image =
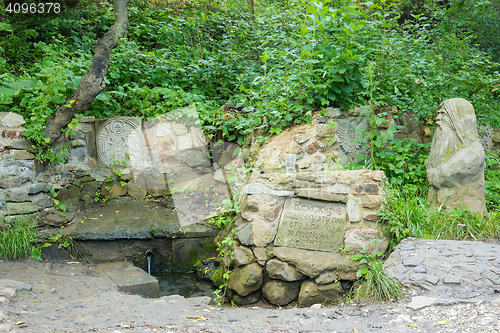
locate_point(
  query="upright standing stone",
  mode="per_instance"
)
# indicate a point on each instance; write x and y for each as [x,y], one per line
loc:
[455,167]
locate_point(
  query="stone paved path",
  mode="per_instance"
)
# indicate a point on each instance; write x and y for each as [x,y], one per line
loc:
[460,269]
[460,295]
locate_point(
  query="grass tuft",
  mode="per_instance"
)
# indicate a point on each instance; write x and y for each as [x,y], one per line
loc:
[377,285]
[18,238]
[411,216]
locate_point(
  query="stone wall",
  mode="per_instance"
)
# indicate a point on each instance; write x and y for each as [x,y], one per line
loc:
[297,232]
[110,158]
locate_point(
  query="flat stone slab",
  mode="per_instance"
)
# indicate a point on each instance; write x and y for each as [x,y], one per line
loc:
[132,219]
[131,279]
[455,268]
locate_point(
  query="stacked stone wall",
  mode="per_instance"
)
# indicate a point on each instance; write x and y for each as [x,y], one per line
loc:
[298,231]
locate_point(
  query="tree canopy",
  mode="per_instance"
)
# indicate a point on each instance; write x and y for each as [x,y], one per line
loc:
[275,60]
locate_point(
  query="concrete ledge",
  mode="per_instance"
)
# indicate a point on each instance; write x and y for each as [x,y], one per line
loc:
[131,279]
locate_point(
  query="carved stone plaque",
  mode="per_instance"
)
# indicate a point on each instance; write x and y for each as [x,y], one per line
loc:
[350,131]
[311,225]
[119,140]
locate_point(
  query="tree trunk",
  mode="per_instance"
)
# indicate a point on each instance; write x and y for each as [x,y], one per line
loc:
[92,83]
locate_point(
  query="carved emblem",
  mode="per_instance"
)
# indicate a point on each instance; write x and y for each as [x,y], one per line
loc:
[350,140]
[119,140]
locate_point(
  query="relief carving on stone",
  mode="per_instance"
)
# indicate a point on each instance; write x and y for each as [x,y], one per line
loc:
[119,140]
[351,138]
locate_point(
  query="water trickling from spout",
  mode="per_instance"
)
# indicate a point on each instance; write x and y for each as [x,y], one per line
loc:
[149,254]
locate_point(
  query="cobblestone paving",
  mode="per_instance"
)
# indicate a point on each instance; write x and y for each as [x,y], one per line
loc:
[459,268]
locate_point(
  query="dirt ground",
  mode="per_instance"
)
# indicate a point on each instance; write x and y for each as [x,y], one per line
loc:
[69,296]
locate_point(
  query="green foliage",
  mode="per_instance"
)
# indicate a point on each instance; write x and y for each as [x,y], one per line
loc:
[409,215]
[75,250]
[58,204]
[18,238]
[227,212]
[276,62]
[376,286]
[492,182]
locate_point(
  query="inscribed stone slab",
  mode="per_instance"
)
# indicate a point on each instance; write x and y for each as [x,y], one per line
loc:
[311,225]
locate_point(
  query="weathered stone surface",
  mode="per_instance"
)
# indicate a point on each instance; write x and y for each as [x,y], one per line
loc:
[244,234]
[247,279]
[197,158]
[314,263]
[44,200]
[263,229]
[13,181]
[11,208]
[455,167]
[198,138]
[370,216]
[55,219]
[320,194]
[368,239]
[277,269]
[185,142]
[16,195]
[261,254]
[154,182]
[131,279]
[372,205]
[12,120]
[353,211]
[376,175]
[21,144]
[43,187]
[13,133]
[113,189]
[280,292]
[135,191]
[78,143]
[70,193]
[451,279]
[366,189]
[164,129]
[312,293]
[246,300]
[326,278]
[179,129]
[256,188]
[241,256]
[310,224]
